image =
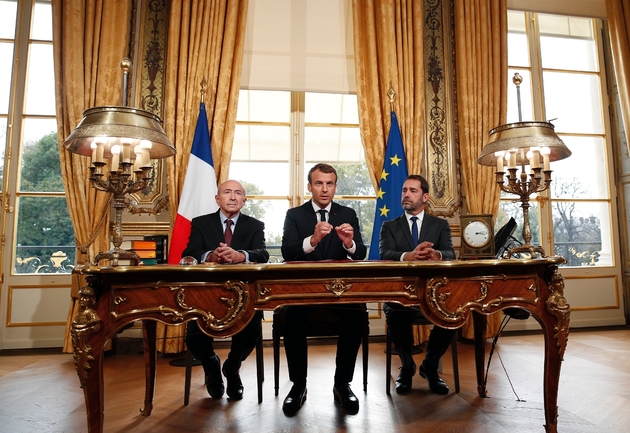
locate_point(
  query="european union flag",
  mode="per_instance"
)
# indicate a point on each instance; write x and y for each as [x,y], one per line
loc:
[389,192]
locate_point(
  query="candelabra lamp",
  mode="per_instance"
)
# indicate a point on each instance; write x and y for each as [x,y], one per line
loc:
[131,138]
[521,144]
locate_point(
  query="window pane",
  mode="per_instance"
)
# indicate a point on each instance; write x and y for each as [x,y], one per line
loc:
[261,143]
[526,97]
[8,13]
[331,108]
[513,209]
[582,233]
[41,28]
[565,26]
[333,144]
[271,178]
[264,106]
[40,86]
[574,100]
[6,63]
[589,154]
[572,54]
[272,213]
[43,229]
[41,169]
[518,47]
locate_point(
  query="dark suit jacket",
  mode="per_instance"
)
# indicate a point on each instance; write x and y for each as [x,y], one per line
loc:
[300,223]
[207,232]
[395,237]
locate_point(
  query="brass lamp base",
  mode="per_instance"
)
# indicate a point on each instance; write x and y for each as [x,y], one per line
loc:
[527,248]
[115,254]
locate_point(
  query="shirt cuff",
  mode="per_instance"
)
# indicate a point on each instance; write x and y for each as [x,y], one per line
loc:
[306,245]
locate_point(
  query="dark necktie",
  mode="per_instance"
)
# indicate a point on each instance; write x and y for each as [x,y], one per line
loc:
[414,230]
[322,214]
[228,232]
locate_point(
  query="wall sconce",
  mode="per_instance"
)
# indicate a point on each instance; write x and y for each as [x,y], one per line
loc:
[130,137]
[519,144]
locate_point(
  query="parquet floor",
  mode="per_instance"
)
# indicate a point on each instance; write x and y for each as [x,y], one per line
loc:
[39,392]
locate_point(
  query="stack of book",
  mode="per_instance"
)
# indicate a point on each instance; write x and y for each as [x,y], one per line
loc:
[146,250]
[160,246]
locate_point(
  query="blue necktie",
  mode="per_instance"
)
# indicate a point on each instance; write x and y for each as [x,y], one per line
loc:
[414,230]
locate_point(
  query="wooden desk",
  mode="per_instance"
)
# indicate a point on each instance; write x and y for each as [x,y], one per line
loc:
[224,298]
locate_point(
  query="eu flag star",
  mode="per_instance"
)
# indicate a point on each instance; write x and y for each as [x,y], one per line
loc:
[384,175]
[380,193]
[384,211]
[395,160]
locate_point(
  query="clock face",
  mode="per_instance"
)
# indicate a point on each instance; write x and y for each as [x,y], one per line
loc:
[477,234]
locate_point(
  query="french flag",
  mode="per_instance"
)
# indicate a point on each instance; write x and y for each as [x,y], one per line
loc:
[200,188]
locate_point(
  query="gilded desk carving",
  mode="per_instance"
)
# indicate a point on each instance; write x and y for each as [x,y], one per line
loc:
[559,307]
[472,294]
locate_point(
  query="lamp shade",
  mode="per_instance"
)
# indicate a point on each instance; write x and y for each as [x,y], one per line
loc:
[523,136]
[114,123]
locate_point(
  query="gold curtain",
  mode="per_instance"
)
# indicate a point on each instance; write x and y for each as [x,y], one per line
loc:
[89,42]
[205,41]
[388,47]
[481,58]
[618,13]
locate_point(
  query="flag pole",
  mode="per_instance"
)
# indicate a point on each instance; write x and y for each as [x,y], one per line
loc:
[204,87]
[391,95]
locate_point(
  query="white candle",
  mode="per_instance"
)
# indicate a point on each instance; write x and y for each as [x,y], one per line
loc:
[500,155]
[512,163]
[100,148]
[534,161]
[146,145]
[115,157]
[545,151]
[126,149]
[93,147]
[139,163]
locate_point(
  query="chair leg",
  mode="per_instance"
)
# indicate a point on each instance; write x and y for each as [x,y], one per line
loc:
[189,362]
[455,363]
[260,369]
[276,363]
[366,351]
[388,362]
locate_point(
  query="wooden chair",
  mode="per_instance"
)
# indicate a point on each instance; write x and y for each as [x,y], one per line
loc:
[322,323]
[260,370]
[419,319]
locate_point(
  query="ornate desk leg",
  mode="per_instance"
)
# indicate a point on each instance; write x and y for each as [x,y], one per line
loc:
[480,322]
[556,329]
[150,360]
[88,357]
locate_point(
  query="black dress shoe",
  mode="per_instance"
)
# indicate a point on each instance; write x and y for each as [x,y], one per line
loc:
[234,388]
[294,400]
[346,398]
[403,381]
[214,380]
[436,384]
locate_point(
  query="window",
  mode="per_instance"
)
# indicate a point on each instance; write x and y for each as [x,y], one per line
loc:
[279,136]
[560,60]
[40,231]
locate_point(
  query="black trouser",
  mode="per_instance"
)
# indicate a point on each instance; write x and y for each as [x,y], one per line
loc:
[243,343]
[399,327]
[352,317]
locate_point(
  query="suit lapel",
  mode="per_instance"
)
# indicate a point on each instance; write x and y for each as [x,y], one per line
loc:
[426,224]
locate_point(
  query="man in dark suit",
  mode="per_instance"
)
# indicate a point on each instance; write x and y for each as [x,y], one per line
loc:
[430,239]
[226,236]
[319,230]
